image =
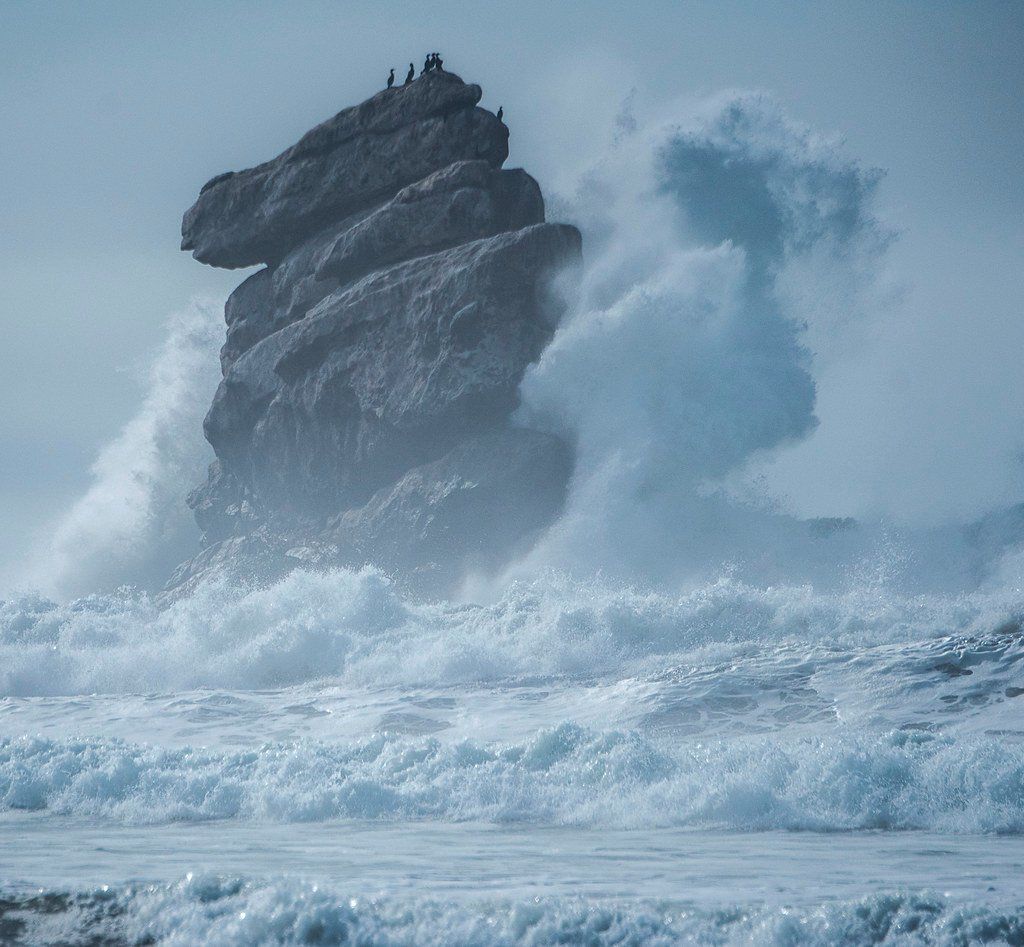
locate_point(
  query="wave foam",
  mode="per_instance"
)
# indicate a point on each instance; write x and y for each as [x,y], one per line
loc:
[355,628]
[202,909]
[565,775]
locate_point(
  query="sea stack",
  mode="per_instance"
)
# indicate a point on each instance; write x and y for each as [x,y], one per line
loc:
[372,365]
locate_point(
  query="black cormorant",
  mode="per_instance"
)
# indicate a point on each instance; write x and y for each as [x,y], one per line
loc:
[501,113]
[391,79]
[411,74]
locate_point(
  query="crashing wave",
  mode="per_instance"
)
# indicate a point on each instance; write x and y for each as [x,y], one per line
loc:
[201,909]
[565,775]
[356,628]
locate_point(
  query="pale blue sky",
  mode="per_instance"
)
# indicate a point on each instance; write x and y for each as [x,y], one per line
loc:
[115,113]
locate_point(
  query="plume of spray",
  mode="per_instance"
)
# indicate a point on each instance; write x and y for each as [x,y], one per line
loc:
[132,525]
[684,359]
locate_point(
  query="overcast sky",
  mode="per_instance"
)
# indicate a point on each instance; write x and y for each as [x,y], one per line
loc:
[115,113]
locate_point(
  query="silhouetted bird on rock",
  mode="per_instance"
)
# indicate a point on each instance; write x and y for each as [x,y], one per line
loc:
[391,79]
[501,113]
[428,64]
[438,62]
[411,74]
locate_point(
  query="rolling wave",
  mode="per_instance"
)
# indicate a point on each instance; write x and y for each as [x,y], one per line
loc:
[355,628]
[562,775]
[211,909]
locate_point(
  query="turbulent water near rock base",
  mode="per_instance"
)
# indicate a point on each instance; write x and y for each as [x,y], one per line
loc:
[685,715]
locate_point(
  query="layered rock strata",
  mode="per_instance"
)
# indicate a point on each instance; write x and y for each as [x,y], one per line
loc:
[372,366]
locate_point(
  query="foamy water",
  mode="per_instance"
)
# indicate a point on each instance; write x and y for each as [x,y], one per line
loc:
[233,911]
[325,759]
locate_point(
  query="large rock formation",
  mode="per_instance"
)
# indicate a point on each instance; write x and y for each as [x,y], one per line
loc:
[371,368]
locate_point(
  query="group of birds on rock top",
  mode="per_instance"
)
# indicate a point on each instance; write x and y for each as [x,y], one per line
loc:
[433,61]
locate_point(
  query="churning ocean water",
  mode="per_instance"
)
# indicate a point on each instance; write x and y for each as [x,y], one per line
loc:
[682,717]
[324,762]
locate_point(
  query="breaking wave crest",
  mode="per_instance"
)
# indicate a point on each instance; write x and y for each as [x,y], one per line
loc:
[565,775]
[223,910]
[686,355]
[132,525]
[357,629]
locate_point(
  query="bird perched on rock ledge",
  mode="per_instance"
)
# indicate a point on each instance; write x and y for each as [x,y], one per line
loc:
[433,61]
[391,78]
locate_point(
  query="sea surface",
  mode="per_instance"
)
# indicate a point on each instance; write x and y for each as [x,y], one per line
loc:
[324,761]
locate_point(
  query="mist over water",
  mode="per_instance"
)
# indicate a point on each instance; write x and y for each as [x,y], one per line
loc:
[680,651]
